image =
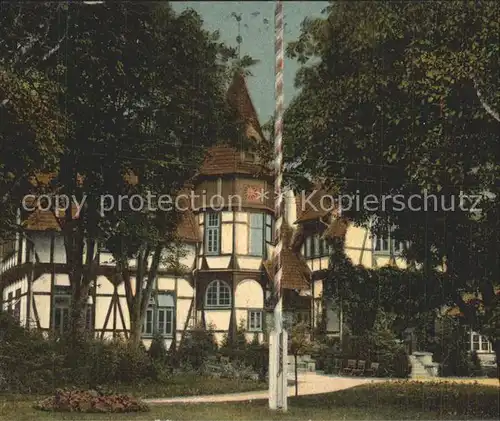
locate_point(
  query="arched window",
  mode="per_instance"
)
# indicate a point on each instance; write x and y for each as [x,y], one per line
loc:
[218,295]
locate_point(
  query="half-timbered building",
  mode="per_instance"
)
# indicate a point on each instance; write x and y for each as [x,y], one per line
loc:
[228,250]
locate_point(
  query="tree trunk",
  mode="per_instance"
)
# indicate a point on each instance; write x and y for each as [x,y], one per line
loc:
[135,330]
[138,303]
[296,376]
[77,318]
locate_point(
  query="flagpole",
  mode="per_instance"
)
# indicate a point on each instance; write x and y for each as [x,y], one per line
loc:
[278,339]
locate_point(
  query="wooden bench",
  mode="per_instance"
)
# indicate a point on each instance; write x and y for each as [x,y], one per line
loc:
[360,369]
[351,365]
[373,369]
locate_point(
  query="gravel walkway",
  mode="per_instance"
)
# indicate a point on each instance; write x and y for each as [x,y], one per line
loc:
[309,384]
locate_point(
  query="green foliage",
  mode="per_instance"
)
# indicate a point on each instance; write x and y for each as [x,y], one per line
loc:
[476,366]
[442,399]
[158,351]
[300,339]
[158,80]
[240,339]
[32,363]
[378,344]
[381,347]
[31,122]
[402,99]
[244,354]
[257,357]
[255,340]
[452,348]
[367,295]
[225,343]
[198,345]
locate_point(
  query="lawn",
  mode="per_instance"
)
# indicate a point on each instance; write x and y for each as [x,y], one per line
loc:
[381,401]
[190,385]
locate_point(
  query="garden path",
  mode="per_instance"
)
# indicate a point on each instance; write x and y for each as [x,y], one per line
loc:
[309,384]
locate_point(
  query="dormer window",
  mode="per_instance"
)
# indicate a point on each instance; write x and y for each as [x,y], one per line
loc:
[250,157]
[386,244]
[315,246]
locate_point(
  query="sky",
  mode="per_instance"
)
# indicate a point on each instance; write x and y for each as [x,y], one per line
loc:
[257,31]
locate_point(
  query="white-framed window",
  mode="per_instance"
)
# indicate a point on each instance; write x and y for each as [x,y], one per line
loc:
[218,295]
[308,247]
[387,245]
[315,246]
[61,312]
[255,320]
[269,229]
[256,234]
[60,321]
[479,343]
[147,325]
[159,318]
[260,233]
[165,321]
[212,233]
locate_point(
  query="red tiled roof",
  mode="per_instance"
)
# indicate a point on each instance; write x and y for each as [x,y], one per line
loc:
[41,221]
[223,159]
[44,220]
[295,272]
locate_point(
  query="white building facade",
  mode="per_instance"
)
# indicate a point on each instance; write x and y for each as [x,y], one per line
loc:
[228,253]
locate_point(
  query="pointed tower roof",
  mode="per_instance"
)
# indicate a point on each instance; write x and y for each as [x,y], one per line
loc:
[226,159]
[238,97]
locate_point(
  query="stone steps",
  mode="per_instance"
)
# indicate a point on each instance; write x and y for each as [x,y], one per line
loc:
[422,366]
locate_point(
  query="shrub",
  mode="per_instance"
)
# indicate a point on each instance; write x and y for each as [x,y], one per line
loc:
[399,366]
[32,363]
[240,340]
[91,402]
[115,361]
[442,400]
[27,359]
[451,349]
[325,351]
[197,346]
[476,368]
[379,346]
[257,357]
[158,350]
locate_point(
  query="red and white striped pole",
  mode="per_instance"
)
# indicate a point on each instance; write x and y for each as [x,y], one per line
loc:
[278,339]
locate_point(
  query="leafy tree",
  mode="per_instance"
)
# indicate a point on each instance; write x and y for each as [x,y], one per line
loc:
[300,343]
[30,132]
[451,351]
[143,99]
[402,99]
